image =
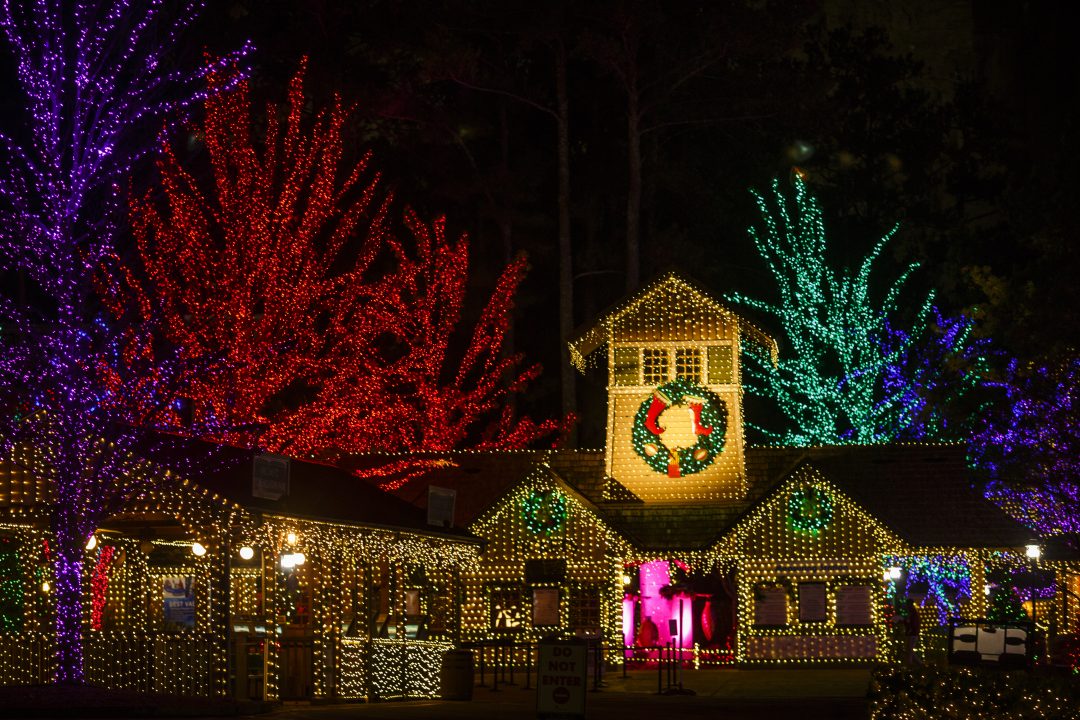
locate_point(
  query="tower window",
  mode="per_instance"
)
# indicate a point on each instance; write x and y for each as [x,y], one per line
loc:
[688,363]
[654,366]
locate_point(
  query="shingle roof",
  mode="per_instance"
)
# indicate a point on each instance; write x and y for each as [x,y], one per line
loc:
[479,478]
[588,338]
[923,493]
[318,492]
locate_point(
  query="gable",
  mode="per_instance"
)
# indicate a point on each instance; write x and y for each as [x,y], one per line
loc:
[669,309]
[805,515]
[542,516]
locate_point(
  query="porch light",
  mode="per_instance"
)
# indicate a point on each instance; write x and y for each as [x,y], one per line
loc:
[247,552]
[625,579]
[290,538]
[198,549]
[46,587]
[92,542]
[893,573]
[1033,551]
[291,560]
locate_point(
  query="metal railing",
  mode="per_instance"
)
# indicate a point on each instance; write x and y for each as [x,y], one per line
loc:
[506,662]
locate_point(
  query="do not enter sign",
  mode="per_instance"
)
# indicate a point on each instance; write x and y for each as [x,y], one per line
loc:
[561,680]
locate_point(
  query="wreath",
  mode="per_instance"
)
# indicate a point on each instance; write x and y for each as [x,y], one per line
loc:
[707,415]
[810,510]
[544,511]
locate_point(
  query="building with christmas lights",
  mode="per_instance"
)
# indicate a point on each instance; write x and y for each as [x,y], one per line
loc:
[271,578]
[678,534]
[267,578]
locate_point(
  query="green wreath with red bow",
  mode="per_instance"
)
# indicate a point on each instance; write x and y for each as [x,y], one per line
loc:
[709,422]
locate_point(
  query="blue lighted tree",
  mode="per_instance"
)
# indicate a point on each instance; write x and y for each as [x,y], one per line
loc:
[97,87]
[850,370]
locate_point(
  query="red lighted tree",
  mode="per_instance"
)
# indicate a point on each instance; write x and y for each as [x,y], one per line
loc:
[336,335]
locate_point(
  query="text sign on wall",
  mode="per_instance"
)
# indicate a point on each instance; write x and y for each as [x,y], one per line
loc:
[561,680]
[269,476]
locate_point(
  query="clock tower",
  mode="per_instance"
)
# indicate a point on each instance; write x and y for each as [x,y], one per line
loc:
[674,412]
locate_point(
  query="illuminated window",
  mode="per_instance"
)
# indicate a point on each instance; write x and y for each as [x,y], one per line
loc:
[654,366]
[506,610]
[688,363]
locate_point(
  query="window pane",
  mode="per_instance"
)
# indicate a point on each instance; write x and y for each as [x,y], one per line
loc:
[654,366]
[688,363]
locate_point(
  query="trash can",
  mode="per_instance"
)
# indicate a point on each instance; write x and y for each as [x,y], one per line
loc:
[456,675]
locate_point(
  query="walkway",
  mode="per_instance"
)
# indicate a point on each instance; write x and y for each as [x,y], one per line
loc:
[808,694]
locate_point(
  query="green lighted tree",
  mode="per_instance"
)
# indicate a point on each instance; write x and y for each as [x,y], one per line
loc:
[850,371]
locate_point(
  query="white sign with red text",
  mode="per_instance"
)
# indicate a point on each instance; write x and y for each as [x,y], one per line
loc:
[562,679]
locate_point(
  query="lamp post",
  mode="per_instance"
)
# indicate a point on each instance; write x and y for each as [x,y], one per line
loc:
[1033,552]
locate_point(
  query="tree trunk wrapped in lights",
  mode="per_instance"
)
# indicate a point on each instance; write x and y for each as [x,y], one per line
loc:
[96,82]
[336,335]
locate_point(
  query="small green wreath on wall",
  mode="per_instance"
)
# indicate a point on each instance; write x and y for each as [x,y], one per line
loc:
[810,510]
[544,511]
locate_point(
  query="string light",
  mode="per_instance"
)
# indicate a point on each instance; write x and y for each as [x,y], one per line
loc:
[850,372]
[1030,445]
[496,598]
[95,80]
[672,353]
[235,280]
[544,511]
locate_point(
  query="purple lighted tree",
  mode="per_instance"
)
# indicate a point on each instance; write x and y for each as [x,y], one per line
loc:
[97,89]
[925,384]
[1030,447]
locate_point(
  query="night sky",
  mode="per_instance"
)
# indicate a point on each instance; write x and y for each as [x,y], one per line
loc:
[955,119]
